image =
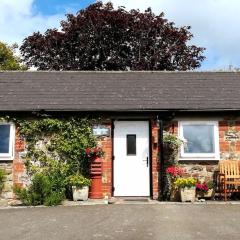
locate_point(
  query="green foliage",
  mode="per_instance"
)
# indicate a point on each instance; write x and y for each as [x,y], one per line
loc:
[78,181]
[171,144]
[2,178]
[210,184]
[41,191]
[58,144]
[23,194]
[53,199]
[172,140]
[7,59]
[56,149]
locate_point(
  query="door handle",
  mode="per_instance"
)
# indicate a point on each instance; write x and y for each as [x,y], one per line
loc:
[146,161]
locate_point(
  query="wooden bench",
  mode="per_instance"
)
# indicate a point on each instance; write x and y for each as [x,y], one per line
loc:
[229,177]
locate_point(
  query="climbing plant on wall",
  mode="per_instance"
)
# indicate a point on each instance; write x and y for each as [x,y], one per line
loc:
[56,148]
[54,142]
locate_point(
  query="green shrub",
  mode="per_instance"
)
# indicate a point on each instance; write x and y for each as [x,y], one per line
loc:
[41,191]
[23,195]
[2,178]
[53,199]
[78,180]
[57,148]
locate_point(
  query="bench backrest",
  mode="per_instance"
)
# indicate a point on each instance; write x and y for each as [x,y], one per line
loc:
[231,168]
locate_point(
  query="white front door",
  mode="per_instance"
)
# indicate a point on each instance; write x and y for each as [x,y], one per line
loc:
[131,162]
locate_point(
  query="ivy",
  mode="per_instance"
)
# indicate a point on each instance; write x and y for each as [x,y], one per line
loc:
[54,143]
[57,149]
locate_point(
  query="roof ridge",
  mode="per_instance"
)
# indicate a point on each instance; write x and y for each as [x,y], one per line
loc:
[117,72]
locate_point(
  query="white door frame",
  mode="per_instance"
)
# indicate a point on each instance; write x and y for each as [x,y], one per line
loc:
[150,152]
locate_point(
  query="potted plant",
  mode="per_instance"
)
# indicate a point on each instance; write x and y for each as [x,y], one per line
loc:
[80,187]
[173,172]
[187,188]
[205,190]
[171,144]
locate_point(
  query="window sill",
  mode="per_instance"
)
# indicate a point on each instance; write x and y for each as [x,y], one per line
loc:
[10,158]
[196,159]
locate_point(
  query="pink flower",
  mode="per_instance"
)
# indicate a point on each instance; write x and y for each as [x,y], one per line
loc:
[202,187]
[174,171]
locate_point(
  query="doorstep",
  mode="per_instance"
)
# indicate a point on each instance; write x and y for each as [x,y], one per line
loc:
[131,200]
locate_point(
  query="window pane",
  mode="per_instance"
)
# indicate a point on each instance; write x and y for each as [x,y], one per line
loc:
[131,144]
[200,138]
[4,138]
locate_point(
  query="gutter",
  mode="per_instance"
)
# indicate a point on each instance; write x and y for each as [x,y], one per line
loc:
[160,159]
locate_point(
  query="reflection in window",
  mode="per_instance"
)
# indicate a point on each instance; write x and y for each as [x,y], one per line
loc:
[131,144]
[199,138]
[4,138]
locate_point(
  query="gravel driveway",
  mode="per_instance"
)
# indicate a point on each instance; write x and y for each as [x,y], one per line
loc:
[131,221]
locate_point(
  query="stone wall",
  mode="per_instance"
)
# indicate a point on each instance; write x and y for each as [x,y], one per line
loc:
[8,183]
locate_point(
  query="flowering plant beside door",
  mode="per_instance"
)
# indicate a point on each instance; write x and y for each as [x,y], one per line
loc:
[80,186]
[205,189]
[94,153]
[171,146]
[173,172]
[187,188]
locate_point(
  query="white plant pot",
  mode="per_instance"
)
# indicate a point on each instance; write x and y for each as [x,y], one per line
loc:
[188,194]
[80,193]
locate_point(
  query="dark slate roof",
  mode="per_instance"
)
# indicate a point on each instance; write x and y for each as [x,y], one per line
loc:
[119,91]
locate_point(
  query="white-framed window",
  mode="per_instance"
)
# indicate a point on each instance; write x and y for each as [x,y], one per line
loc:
[7,137]
[201,140]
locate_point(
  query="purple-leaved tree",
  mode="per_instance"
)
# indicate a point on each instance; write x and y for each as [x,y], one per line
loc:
[103,38]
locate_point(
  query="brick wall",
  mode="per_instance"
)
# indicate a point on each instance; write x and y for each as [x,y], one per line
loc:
[106,144]
[155,163]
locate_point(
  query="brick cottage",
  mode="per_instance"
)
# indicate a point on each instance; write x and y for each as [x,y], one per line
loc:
[134,107]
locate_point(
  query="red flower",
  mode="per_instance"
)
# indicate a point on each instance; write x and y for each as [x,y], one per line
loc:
[202,187]
[174,171]
[88,151]
[95,150]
